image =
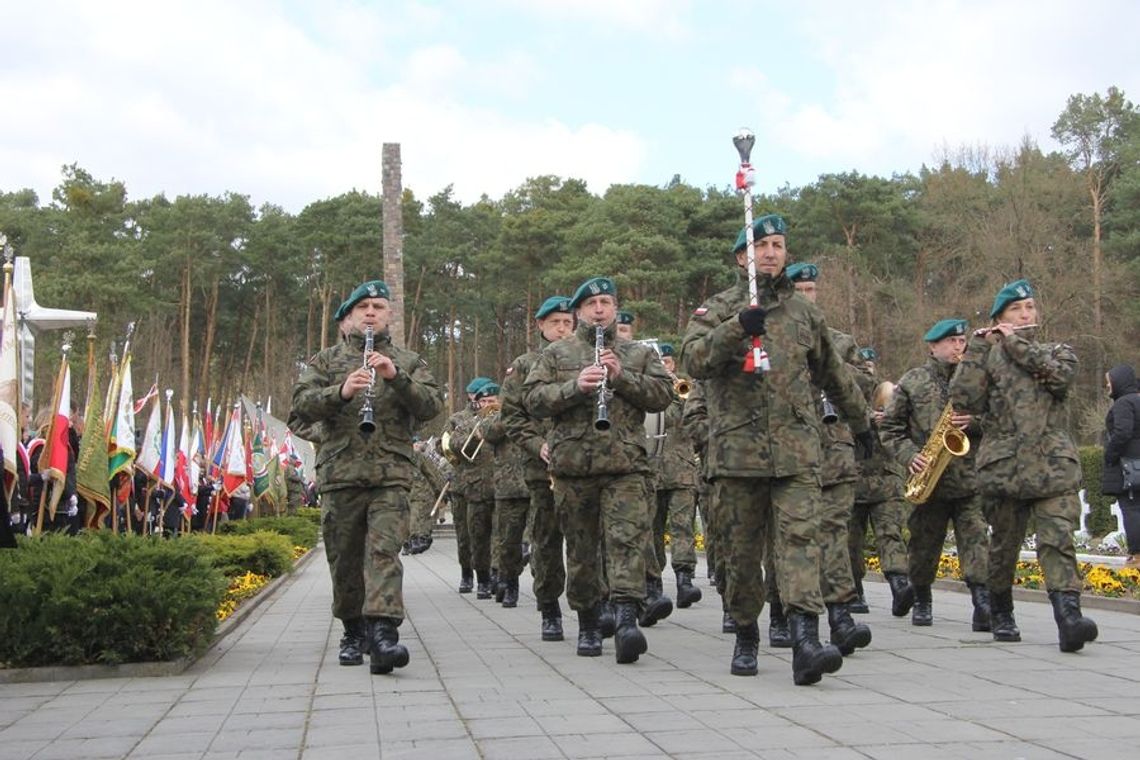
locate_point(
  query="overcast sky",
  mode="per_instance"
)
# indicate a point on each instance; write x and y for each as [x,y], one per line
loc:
[289,102]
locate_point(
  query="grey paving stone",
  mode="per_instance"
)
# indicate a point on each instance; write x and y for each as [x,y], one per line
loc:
[430,749]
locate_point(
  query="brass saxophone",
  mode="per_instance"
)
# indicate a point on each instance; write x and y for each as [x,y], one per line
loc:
[945,443]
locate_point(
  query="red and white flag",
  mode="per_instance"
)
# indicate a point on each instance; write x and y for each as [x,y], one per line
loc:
[56,445]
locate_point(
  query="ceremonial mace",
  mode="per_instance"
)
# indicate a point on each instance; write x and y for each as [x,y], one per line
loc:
[756,361]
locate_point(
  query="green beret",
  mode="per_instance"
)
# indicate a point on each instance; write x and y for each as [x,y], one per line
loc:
[595,286]
[477,383]
[667,349]
[553,304]
[370,289]
[801,272]
[625,317]
[868,354]
[945,328]
[769,224]
[1018,290]
[489,388]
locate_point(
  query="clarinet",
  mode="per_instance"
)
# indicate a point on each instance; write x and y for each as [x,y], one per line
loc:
[367,424]
[602,420]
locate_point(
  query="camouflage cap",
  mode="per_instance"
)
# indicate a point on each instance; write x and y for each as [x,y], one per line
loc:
[802,272]
[477,383]
[1018,290]
[945,328]
[552,305]
[769,224]
[370,289]
[595,286]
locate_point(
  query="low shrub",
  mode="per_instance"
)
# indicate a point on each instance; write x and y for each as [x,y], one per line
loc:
[105,598]
[301,530]
[312,514]
[262,552]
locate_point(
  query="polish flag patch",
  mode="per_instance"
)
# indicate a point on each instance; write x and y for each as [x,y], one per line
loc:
[700,312]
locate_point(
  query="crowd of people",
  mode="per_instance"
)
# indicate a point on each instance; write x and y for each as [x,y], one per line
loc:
[776,428]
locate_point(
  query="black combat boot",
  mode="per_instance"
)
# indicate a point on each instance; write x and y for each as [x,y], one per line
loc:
[551,621]
[387,652]
[589,637]
[845,632]
[728,623]
[607,621]
[499,584]
[511,595]
[419,544]
[657,605]
[484,589]
[1001,616]
[354,642]
[902,593]
[629,641]
[858,605]
[687,593]
[923,613]
[466,581]
[747,646]
[981,597]
[810,659]
[407,547]
[1073,628]
[778,634]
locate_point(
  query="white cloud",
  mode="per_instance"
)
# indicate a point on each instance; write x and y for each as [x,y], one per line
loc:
[659,17]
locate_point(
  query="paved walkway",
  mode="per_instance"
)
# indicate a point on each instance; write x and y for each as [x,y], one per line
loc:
[481,684]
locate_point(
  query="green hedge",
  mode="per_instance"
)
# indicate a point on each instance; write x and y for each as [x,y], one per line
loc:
[105,598]
[262,552]
[313,514]
[1100,520]
[300,530]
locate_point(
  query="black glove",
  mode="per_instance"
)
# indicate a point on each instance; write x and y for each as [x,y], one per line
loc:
[752,320]
[864,445]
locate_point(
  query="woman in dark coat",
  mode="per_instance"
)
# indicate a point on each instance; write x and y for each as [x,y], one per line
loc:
[1122,442]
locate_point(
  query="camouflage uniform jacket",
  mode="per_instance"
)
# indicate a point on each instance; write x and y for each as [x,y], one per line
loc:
[836,440]
[576,448]
[696,422]
[920,398]
[767,425]
[510,460]
[526,430]
[1019,386]
[428,482]
[346,458]
[475,479]
[880,477]
[676,467]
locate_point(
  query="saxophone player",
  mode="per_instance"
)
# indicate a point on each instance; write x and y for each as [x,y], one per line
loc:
[1027,460]
[920,399]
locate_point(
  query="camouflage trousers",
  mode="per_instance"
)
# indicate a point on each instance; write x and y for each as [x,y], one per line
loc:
[886,520]
[422,520]
[613,506]
[713,551]
[546,559]
[928,534]
[364,531]
[480,523]
[783,513]
[835,580]
[676,511]
[1056,517]
[462,531]
[511,516]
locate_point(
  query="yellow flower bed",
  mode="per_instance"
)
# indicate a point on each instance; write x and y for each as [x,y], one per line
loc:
[299,551]
[240,589]
[1100,580]
[698,541]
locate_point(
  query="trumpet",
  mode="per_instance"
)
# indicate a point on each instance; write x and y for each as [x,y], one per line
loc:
[367,424]
[682,387]
[484,413]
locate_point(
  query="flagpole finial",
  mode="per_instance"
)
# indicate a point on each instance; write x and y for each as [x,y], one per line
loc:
[91,329]
[169,395]
[9,253]
[68,339]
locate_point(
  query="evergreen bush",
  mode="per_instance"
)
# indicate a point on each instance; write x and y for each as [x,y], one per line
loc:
[262,552]
[1100,520]
[301,530]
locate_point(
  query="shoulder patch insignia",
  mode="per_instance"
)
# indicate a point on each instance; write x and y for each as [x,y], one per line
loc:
[701,311]
[510,370]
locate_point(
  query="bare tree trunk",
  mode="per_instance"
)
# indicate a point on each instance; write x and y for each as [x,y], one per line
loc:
[529,310]
[414,322]
[393,238]
[243,387]
[451,360]
[265,378]
[326,299]
[1098,277]
[184,307]
[208,344]
[475,351]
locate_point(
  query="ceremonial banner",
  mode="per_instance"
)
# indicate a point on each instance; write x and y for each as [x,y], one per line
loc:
[92,471]
[56,446]
[234,472]
[150,452]
[123,428]
[9,388]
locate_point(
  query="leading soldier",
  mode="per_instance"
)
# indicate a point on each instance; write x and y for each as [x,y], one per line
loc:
[1027,461]
[363,478]
[764,444]
[597,393]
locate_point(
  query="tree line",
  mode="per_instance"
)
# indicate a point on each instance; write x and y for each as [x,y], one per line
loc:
[230,298]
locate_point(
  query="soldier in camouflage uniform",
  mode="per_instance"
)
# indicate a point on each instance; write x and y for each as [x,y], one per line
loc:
[461,420]
[600,474]
[624,328]
[478,465]
[426,487]
[363,479]
[512,501]
[555,320]
[879,504]
[764,443]
[838,475]
[1027,462]
[676,494]
[919,401]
